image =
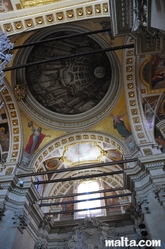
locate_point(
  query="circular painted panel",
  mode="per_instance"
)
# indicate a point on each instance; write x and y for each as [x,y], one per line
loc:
[72,85]
[70,93]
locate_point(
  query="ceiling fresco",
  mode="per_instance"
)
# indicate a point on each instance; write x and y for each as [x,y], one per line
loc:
[160,123]
[153,73]
[78,115]
[79,149]
[68,86]
[5,5]
[82,153]
[80,92]
[74,92]
[73,95]
[76,88]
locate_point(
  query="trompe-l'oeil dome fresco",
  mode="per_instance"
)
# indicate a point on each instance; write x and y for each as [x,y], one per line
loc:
[73,85]
[72,92]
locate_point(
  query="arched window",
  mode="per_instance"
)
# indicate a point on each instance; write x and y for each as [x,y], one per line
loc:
[86,187]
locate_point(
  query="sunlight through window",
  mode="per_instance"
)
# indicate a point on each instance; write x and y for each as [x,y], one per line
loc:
[86,187]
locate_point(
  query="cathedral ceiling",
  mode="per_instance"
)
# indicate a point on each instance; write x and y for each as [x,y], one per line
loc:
[65,95]
[88,109]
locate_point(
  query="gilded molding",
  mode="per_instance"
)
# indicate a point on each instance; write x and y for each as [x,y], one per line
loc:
[134,111]
[130,85]
[138,127]
[77,138]
[51,16]
[14,122]
[131,94]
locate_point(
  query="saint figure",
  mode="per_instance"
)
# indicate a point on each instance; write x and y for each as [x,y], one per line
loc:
[119,125]
[35,139]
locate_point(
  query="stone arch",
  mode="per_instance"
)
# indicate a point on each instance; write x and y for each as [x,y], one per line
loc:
[15,127]
[105,141]
[49,150]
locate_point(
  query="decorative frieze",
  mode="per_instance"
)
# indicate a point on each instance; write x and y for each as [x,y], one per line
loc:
[53,16]
[139,176]
[156,165]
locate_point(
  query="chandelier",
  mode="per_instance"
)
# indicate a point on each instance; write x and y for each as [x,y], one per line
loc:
[5,56]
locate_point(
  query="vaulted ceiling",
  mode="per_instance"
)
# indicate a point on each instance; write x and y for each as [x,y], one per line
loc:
[91,105]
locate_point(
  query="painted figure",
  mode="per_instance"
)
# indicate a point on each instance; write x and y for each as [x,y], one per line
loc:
[158,71]
[161,141]
[3,6]
[119,125]
[157,78]
[4,139]
[35,139]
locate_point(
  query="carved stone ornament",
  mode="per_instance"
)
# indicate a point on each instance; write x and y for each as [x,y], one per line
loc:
[142,205]
[140,15]
[45,224]
[159,191]
[147,151]
[90,234]
[133,212]
[5,57]
[40,245]
[2,210]
[20,91]
[20,220]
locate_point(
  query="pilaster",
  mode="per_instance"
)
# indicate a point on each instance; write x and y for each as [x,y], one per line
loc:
[20,214]
[146,181]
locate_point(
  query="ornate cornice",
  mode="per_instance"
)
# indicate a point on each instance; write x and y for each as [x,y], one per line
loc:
[141,176]
[15,22]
